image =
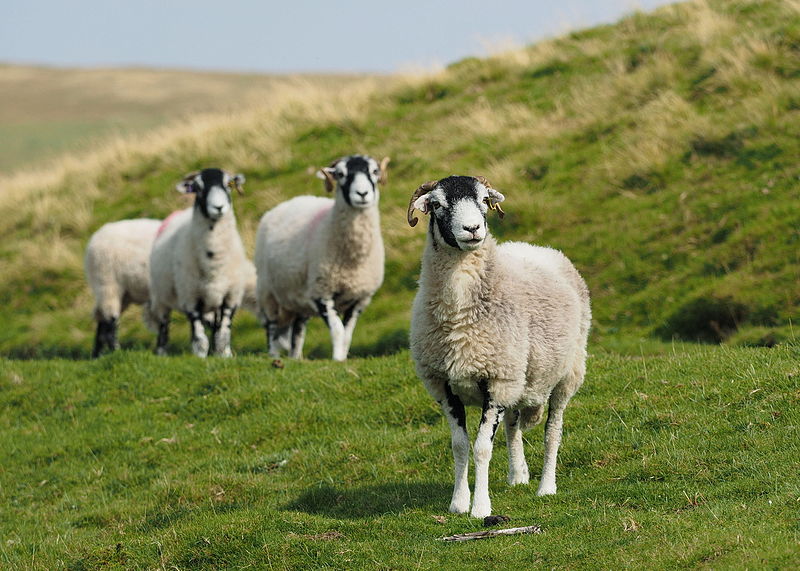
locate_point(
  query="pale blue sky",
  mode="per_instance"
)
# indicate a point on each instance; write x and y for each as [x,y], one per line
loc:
[285,36]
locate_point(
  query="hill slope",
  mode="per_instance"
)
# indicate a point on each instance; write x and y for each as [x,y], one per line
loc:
[680,460]
[659,153]
[47,111]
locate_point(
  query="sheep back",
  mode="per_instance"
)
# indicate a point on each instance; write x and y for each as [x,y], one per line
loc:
[117,264]
[517,314]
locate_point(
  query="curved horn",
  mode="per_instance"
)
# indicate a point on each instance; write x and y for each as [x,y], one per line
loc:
[492,206]
[383,166]
[330,182]
[425,187]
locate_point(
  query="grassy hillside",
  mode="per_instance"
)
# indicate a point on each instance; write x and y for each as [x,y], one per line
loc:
[46,111]
[683,460]
[659,153]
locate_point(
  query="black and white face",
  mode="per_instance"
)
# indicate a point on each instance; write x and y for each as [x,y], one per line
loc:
[458,207]
[213,189]
[357,178]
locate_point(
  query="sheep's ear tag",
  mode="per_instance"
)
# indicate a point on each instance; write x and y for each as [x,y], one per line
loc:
[186,186]
[494,206]
[236,182]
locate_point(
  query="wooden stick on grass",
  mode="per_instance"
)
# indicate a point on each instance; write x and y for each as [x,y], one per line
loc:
[493,533]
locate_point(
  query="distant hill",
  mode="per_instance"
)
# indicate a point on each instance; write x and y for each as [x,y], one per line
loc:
[47,111]
[659,153]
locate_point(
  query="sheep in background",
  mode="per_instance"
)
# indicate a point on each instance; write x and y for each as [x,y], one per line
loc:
[503,327]
[117,267]
[322,256]
[198,265]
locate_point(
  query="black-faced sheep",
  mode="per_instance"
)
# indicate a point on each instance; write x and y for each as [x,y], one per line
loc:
[322,256]
[502,327]
[198,264]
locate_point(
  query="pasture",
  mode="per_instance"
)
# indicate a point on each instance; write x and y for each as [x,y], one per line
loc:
[659,153]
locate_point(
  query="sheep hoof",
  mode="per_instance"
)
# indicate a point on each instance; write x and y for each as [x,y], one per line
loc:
[546,490]
[481,511]
[518,479]
[459,506]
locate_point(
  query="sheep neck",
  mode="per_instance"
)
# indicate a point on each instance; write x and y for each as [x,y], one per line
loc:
[212,235]
[455,279]
[353,232]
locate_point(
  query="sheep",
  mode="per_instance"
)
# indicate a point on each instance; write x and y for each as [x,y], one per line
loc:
[117,264]
[198,264]
[503,327]
[322,256]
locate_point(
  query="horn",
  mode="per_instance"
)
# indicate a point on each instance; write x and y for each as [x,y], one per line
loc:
[483,181]
[384,175]
[425,187]
[330,183]
[487,184]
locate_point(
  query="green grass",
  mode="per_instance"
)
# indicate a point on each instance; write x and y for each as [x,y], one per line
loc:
[689,459]
[658,153]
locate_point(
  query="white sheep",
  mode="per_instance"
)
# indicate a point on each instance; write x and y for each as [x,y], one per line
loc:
[198,264]
[503,327]
[322,256]
[116,264]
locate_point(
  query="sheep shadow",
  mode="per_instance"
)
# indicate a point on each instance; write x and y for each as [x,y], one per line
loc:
[371,501]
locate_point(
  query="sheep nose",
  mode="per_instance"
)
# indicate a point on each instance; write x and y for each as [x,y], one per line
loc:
[362,194]
[472,229]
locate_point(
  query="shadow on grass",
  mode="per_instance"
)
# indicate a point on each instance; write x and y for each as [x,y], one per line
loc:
[370,501]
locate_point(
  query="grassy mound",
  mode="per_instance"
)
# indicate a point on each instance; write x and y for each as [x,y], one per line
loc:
[658,153]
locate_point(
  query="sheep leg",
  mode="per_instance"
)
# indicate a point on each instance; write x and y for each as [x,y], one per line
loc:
[276,338]
[328,313]
[517,466]
[106,336]
[298,337]
[552,437]
[482,451]
[199,339]
[454,412]
[98,338]
[222,330]
[349,320]
[163,334]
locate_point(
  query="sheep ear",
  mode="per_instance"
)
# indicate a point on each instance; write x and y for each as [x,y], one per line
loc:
[384,174]
[493,202]
[494,199]
[237,181]
[419,200]
[186,186]
[326,174]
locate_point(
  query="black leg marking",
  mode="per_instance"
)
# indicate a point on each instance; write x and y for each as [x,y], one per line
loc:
[99,338]
[163,334]
[350,313]
[488,403]
[322,309]
[298,330]
[456,407]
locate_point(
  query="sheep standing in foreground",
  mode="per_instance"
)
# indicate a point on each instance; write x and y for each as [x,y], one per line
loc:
[322,256]
[117,267]
[198,265]
[502,327]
